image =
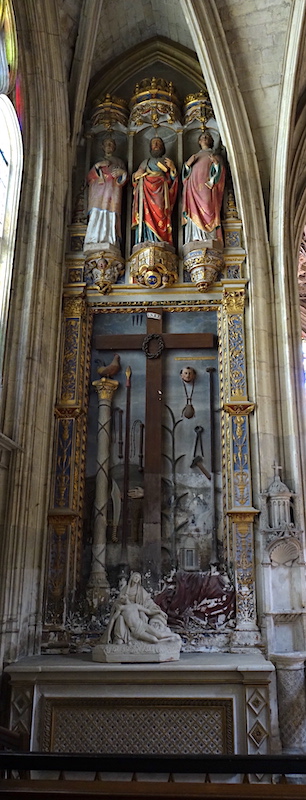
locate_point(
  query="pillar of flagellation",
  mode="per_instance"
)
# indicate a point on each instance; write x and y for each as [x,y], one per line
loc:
[98,585]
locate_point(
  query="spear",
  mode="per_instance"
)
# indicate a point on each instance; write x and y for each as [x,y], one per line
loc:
[125,509]
[214,555]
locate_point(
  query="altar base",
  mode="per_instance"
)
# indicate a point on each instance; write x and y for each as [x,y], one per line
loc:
[203,703]
[137,653]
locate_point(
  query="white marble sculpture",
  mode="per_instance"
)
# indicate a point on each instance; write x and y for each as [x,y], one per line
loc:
[137,629]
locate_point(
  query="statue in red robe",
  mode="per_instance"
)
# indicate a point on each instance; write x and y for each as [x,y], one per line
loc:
[105,181]
[155,188]
[203,186]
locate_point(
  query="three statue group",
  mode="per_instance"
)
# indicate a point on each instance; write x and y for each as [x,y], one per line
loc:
[155,187]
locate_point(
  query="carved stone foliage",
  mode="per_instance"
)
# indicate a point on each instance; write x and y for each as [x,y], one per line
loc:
[102,271]
[236,347]
[245,569]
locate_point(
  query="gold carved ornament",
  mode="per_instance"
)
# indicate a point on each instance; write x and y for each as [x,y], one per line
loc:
[105,388]
[243,518]
[233,301]
[108,111]
[198,106]
[60,522]
[74,306]
[239,409]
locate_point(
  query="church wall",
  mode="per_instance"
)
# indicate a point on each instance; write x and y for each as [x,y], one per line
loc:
[250,110]
[285,233]
[256,36]
[32,338]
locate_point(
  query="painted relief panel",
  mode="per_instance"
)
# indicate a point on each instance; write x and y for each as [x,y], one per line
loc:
[184,380]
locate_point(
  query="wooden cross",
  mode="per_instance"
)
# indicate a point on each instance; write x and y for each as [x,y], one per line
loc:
[153,422]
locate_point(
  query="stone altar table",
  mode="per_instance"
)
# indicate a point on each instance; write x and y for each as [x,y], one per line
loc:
[204,703]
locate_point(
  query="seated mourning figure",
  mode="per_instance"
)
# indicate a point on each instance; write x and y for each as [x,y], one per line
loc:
[137,629]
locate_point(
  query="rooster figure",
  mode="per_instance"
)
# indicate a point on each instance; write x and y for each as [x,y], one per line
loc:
[111,369]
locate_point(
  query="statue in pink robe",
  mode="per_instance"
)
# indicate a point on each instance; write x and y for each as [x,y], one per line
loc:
[203,186]
[105,181]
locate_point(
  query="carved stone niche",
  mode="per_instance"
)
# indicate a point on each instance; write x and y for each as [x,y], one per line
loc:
[279,504]
[284,593]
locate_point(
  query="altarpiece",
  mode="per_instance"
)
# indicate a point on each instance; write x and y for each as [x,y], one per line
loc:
[151,459]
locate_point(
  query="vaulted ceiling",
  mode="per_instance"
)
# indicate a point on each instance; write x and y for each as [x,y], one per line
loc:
[256,37]
[124,24]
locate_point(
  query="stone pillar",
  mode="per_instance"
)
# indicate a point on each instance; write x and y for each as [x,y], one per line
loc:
[65,514]
[237,408]
[290,671]
[98,586]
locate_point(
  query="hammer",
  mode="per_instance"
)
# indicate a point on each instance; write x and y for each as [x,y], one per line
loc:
[197,462]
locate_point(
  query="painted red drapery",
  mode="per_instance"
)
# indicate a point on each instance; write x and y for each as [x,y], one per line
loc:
[201,203]
[199,595]
[159,195]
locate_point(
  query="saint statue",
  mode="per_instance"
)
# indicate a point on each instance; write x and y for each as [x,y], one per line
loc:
[203,186]
[105,181]
[135,616]
[155,188]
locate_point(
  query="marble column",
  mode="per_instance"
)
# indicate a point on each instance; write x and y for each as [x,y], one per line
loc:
[98,585]
[290,671]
